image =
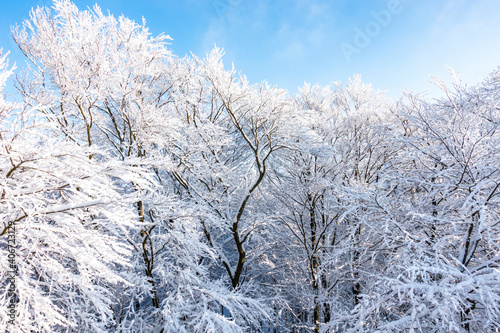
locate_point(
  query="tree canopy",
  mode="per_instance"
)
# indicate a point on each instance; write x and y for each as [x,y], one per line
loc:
[144,192]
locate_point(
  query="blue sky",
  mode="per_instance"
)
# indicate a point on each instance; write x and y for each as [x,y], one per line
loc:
[393,44]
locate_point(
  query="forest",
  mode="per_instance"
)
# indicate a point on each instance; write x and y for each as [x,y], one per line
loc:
[145,192]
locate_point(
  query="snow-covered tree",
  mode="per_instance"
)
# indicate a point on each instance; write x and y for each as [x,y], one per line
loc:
[230,132]
[106,85]
[342,146]
[65,220]
[440,214]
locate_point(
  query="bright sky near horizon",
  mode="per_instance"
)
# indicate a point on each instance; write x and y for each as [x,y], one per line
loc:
[393,44]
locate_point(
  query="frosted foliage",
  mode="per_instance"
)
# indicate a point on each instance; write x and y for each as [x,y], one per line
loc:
[70,225]
[101,78]
[5,72]
[143,192]
[105,86]
[437,211]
